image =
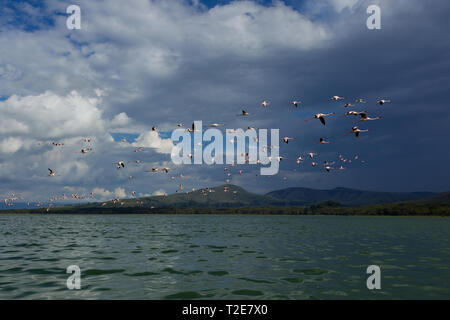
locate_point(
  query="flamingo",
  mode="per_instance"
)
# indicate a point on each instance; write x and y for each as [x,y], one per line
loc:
[51,172]
[296,103]
[353,113]
[360,101]
[120,164]
[264,103]
[286,139]
[192,129]
[357,131]
[279,159]
[85,150]
[321,117]
[364,117]
[382,101]
[336,98]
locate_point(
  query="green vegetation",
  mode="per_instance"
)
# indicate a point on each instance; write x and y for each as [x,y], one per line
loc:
[325,208]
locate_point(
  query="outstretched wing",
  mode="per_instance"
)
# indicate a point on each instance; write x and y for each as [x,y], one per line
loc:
[322,119]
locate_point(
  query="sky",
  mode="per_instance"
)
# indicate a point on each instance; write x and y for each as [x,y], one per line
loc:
[159,63]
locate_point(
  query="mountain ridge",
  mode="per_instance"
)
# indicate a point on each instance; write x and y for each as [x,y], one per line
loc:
[229,196]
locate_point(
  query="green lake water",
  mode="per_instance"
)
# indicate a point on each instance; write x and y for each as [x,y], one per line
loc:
[223,257]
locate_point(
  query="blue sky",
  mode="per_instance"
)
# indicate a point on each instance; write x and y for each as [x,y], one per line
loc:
[161,63]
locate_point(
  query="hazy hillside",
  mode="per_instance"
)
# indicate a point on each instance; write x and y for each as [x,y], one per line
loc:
[216,197]
[228,196]
[345,196]
[439,197]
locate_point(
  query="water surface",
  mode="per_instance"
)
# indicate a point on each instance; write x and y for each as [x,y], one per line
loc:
[223,257]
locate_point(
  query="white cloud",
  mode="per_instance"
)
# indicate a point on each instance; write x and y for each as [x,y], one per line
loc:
[51,116]
[151,139]
[120,120]
[120,192]
[103,194]
[11,144]
[159,192]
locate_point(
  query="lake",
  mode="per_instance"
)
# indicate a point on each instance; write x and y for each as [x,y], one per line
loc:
[223,257]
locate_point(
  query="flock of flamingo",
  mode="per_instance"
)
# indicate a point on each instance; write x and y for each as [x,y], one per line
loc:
[10,200]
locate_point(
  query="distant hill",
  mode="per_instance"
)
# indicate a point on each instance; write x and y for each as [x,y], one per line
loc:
[216,197]
[439,197]
[231,196]
[345,196]
[230,199]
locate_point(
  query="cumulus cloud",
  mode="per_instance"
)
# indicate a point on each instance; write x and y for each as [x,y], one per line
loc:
[151,139]
[120,120]
[51,116]
[103,194]
[159,192]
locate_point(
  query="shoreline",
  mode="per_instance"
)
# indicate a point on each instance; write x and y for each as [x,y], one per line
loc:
[439,209]
[223,214]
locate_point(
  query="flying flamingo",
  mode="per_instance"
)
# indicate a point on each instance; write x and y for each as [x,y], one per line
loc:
[356,131]
[286,139]
[321,117]
[322,141]
[364,117]
[353,113]
[382,101]
[296,103]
